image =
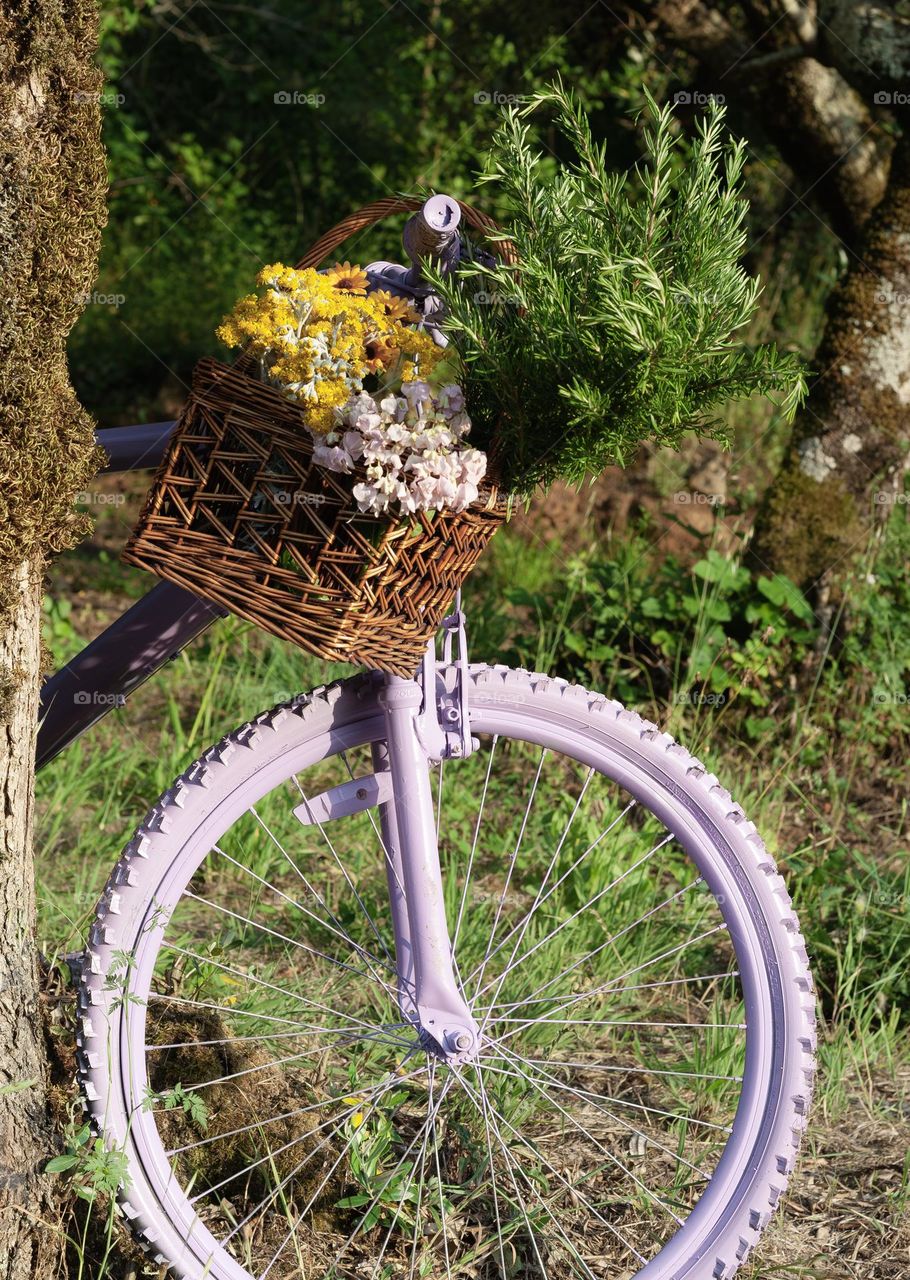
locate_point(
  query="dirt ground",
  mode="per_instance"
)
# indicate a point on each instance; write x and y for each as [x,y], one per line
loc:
[846,1215]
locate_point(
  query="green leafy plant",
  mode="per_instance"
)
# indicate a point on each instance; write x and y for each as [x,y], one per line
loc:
[618,321]
[179,1098]
[94,1169]
[704,636]
[94,1172]
[387,1190]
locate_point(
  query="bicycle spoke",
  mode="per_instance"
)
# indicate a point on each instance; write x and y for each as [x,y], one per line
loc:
[257,1039]
[649,1071]
[303,879]
[270,986]
[609,941]
[288,1115]
[537,899]
[270,1155]
[513,858]
[442,1206]
[573,1191]
[417,1211]
[586,1095]
[301,946]
[313,1199]
[625,1022]
[470,866]
[251,1071]
[509,1169]
[323,924]
[554,1083]
[162,998]
[429,1120]
[565,875]
[610,985]
[344,871]
[493,1180]
[642,986]
[527,1080]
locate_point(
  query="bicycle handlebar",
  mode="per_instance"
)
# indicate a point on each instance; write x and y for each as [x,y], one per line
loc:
[432,232]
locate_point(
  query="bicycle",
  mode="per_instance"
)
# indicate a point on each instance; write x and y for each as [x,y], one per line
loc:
[469,973]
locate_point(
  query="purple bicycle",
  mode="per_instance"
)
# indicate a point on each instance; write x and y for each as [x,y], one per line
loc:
[475,974]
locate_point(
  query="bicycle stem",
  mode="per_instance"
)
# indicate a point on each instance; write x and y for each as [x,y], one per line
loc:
[428,990]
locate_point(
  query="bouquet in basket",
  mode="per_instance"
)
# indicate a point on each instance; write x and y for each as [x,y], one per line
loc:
[613,320]
[317,337]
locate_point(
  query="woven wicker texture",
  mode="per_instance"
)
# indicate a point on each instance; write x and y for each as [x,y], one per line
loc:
[238,515]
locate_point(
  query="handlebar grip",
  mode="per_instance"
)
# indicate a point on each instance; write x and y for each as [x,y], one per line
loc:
[432,229]
[432,232]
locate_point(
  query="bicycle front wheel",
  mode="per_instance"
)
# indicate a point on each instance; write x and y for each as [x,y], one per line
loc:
[620,933]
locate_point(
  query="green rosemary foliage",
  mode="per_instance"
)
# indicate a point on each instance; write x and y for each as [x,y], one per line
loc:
[619,322]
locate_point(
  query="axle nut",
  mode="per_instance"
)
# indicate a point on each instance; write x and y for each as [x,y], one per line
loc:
[463,1041]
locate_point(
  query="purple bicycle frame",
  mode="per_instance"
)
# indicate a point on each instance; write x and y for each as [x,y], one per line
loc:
[138,643]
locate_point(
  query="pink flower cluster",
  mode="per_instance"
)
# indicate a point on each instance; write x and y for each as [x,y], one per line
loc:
[409,446]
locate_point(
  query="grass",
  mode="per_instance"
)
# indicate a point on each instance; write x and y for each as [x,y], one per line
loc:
[838,829]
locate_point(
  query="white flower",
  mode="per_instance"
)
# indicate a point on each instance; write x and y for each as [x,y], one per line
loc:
[332,457]
[370,499]
[423,493]
[473,465]
[465,494]
[460,423]
[408,447]
[353,443]
[451,397]
[394,408]
[416,394]
[357,405]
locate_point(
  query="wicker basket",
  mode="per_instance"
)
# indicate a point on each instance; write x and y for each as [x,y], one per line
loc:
[239,515]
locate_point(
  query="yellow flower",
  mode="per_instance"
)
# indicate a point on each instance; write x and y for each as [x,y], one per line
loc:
[395,308]
[347,278]
[421,348]
[380,353]
[358,1117]
[317,336]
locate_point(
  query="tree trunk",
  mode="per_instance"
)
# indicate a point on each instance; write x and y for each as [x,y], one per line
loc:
[52,194]
[849,450]
[821,124]
[28,1242]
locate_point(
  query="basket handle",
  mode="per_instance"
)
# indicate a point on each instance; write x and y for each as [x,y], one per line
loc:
[380,209]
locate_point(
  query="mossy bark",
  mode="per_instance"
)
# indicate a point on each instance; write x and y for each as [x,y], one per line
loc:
[29,1244]
[52,193]
[851,444]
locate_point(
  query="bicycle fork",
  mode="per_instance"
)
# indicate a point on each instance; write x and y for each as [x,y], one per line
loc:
[428,992]
[424,721]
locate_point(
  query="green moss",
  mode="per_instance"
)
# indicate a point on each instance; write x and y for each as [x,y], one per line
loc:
[260,1090]
[806,526]
[52,210]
